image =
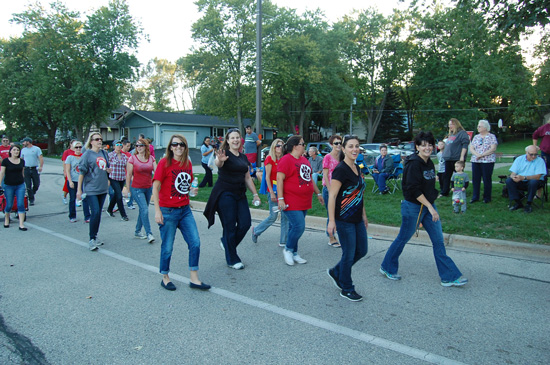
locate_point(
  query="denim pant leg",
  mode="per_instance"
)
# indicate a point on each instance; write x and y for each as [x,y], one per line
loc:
[284,229]
[487,174]
[476,180]
[532,187]
[353,238]
[117,186]
[445,265]
[382,181]
[20,195]
[86,210]
[96,204]
[9,194]
[207,180]
[512,188]
[409,215]
[72,200]
[325,198]
[190,233]
[142,198]
[235,217]
[296,227]
[171,218]
[28,183]
[266,223]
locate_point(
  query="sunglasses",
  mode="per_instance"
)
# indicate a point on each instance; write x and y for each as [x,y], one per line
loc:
[176,144]
[97,139]
[118,144]
[140,145]
[78,147]
[233,130]
[278,146]
[301,144]
[337,143]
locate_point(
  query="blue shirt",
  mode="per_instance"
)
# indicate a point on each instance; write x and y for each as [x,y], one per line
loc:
[31,156]
[250,143]
[205,159]
[527,168]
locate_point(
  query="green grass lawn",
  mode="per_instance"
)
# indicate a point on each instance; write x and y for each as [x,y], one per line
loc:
[516,147]
[492,220]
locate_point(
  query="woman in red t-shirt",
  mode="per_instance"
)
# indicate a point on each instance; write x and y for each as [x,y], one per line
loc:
[270,164]
[294,189]
[171,186]
[141,165]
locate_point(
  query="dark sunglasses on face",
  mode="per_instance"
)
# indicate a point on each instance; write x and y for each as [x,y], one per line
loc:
[140,145]
[176,144]
[278,146]
[337,143]
[97,139]
[78,147]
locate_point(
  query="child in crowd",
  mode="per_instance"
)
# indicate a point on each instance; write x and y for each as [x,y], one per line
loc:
[459,183]
[441,163]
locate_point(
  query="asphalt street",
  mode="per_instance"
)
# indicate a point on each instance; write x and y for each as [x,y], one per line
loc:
[62,304]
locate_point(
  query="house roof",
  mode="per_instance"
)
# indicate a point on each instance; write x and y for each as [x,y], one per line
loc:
[182,119]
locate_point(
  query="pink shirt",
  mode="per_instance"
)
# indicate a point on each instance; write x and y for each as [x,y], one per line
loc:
[329,163]
[143,178]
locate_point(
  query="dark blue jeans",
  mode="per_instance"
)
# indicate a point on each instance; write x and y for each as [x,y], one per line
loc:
[531,186]
[236,221]
[485,171]
[354,241]
[117,186]
[96,205]
[380,180]
[296,228]
[17,191]
[409,215]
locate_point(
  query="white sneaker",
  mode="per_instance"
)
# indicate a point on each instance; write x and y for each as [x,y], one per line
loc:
[65,201]
[140,235]
[297,259]
[150,238]
[288,257]
[92,245]
[237,266]
[221,245]
[99,242]
[131,207]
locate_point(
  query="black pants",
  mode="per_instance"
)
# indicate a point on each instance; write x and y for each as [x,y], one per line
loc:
[449,169]
[207,176]
[32,181]
[117,199]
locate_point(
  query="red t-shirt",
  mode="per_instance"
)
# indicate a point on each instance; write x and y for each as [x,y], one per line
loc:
[273,176]
[4,152]
[175,183]
[66,154]
[142,172]
[297,186]
[128,154]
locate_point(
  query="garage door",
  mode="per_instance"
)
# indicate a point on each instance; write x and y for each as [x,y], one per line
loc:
[191,137]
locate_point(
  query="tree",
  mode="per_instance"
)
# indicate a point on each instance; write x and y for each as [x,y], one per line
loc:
[63,73]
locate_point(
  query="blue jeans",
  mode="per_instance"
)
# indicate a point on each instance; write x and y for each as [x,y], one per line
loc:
[72,200]
[409,215]
[17,191]
[296,228]
[96,205]
[236,221]
[354,241]
[380,180]
[143,198]
[485,171]
[266,223]
[182,219]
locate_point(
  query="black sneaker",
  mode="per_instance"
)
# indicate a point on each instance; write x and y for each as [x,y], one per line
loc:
[528,208]
[351,295]
[330,273]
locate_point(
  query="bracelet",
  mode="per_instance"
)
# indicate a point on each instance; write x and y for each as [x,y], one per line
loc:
[255,195]
[319,194]
[281,199]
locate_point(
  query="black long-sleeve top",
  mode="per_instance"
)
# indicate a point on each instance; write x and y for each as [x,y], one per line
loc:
[419,178]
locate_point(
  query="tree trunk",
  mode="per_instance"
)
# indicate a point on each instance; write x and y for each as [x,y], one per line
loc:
[374,116]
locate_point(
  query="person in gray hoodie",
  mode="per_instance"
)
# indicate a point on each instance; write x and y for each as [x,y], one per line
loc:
[456,149]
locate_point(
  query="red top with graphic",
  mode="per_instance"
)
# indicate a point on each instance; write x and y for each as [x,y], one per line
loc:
[175,183]
[4,151]
[273,176]
[297,185]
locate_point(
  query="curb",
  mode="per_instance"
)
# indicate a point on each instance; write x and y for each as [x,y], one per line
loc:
[467,243]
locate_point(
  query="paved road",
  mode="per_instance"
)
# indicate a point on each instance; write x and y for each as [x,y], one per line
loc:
[60,303]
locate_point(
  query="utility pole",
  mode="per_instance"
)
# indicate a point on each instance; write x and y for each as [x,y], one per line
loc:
[259,75]
[353,102]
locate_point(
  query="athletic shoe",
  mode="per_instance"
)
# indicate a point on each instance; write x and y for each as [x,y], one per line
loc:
[78,203]
[351,295]
[254,237]
[125,219]
[282,244]
[330,273]
[73,220]
[92,245]
[390,276]
[115,210]
[221,244]
[237,266]
[140,235]
[110,214]
[297,259]
[150,238]
[131,207]
[86,221]
[289,257]
[458,282]
[65,201]
[99,242]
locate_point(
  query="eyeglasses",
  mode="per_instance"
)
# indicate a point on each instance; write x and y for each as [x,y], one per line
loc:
[337,143]
[533,154]
[176,144]
[79,147]
[140,145]
[278,146]
[97,139]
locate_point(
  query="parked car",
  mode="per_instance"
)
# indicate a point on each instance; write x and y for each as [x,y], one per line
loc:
[393,141]
[376,148]
[324,148]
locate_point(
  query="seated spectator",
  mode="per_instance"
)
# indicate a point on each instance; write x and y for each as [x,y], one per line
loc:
[316,163]
[526,173]
[383,167]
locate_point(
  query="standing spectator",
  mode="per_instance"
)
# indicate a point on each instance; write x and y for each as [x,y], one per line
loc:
[228,197]
[271,161]
[294,189]
[544,133]
[94,182]
[171,186]
[346,213]
[456,149]
[68,152]
[117,178]
[418,207]
[316,163]
[11,173]
[4,148]
[483,147]
[383,167]
[33,167]
[206,150]
[251,143]
[441,163]
[139,172]
[72,172]
[330,162]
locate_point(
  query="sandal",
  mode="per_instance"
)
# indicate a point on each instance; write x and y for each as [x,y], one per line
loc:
[334,244]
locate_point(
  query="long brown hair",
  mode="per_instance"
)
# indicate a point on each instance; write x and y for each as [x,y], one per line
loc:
[457,124]
[170,154]
[146,144]
[225,144]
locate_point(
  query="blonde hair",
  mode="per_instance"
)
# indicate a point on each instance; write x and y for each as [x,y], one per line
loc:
[88,144]
[457,124]
[272,153]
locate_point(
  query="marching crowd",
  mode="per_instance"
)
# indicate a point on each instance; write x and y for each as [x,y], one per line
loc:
[289,184]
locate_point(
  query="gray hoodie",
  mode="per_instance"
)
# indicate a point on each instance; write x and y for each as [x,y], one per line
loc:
[92,165]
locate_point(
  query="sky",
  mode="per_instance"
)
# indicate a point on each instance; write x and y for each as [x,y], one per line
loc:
[168,22]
